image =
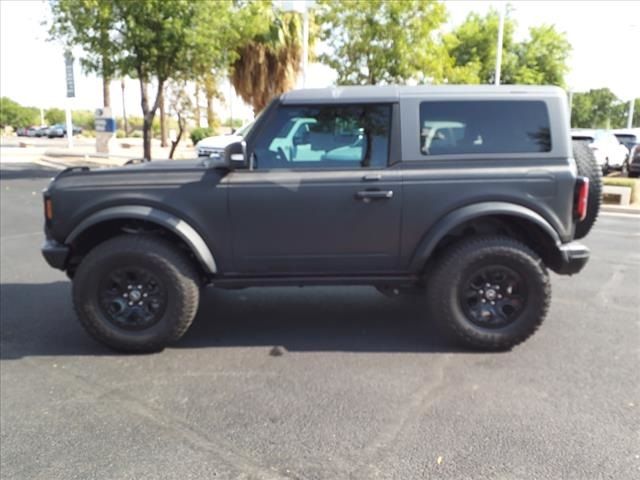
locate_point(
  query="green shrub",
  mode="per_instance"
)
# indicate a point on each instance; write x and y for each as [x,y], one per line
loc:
[84,118]
[199,133]
[136,134]
[120,133]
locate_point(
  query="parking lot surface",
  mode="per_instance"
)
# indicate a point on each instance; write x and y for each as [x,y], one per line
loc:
[360,386]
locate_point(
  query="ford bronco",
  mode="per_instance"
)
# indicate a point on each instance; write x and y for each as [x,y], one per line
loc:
[465,194]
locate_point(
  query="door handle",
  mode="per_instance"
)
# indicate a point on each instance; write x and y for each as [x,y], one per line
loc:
[367,195]
[372,177]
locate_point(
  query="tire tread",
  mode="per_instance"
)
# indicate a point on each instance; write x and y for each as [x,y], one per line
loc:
[182,274]
[454,260]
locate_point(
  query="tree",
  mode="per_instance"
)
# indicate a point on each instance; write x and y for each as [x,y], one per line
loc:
[267,61]
[15,115]
[151,40]
[540,59]
[376,41]
[88,24]
[600,108]
[210,87]
[473,44]
[620,114]
[54,115]
[181,105]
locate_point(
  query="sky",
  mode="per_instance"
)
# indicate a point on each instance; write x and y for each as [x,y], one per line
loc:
[605,36]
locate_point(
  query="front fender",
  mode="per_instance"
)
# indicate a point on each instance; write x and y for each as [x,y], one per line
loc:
[175,224]
[456,218]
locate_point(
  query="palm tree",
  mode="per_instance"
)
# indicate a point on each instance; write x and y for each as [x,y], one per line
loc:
[268,63]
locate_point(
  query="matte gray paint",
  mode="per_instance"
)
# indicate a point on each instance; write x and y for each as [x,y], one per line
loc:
[159,217]
[297,222]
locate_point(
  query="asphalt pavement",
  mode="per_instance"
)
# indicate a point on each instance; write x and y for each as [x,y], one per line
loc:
[366,386]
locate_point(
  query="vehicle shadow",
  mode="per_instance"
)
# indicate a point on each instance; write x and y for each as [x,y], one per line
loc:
[38,320]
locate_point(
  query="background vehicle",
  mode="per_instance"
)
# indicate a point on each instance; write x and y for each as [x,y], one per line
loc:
[608,151]
[214,146]
[60,130]
[630,138]
[327,189]
[41,131]
[31,131]
[634,162]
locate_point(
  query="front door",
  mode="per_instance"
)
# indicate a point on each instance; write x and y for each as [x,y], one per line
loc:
[321,199]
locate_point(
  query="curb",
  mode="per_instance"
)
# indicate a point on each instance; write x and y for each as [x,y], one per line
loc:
[60,164]
[620,209]
[63,154]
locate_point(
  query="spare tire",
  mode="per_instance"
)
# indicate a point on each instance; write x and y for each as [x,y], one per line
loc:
[588,167]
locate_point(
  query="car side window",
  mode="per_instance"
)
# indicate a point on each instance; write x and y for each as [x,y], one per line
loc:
[326,137]
[485,126]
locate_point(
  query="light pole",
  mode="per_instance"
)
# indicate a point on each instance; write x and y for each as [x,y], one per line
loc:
[124,110]
[632,103]
[570,104]
[499,46]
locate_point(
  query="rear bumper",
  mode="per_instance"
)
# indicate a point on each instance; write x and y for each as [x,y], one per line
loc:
[574,256]
[55,254]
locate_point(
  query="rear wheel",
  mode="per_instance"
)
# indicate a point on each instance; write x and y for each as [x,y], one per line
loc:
[625,169]
[491,292]
[136,293]
[588,167]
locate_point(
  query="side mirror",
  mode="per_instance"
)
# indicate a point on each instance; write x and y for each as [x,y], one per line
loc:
[235,156]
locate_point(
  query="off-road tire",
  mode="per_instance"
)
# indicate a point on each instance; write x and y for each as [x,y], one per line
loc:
[588,167]
[449,276]
[166,262]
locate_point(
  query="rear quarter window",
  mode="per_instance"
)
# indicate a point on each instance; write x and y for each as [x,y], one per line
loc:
[484,127]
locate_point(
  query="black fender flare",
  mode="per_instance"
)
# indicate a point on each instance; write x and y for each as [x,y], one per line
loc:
[140,212]
[457,217]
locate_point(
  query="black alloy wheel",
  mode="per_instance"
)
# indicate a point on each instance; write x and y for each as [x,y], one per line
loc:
[493,296]
[132,298]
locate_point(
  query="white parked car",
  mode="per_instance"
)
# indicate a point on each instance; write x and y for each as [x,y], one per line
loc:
[214,146]
[609,152]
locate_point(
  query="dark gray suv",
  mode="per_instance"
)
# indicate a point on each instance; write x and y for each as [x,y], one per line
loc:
[465,194]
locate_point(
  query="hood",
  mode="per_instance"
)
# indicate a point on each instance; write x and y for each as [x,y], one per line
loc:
[218,141]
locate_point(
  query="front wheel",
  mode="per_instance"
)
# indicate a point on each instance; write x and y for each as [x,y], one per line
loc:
[136,293]
[491,292]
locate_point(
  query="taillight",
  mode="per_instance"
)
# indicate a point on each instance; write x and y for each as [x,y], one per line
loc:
[581,197]
[48,209]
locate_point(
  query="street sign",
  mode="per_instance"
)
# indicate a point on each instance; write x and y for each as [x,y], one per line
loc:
[68,63]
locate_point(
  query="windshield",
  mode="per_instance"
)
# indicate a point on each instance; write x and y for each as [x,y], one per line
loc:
[628,140]
[242,131]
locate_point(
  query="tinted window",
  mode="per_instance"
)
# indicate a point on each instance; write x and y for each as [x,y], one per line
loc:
[458,127]
[628,140]
[325,137]
[584,138]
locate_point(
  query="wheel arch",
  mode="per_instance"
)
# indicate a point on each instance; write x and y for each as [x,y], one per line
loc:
[530,227]
[172,224]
